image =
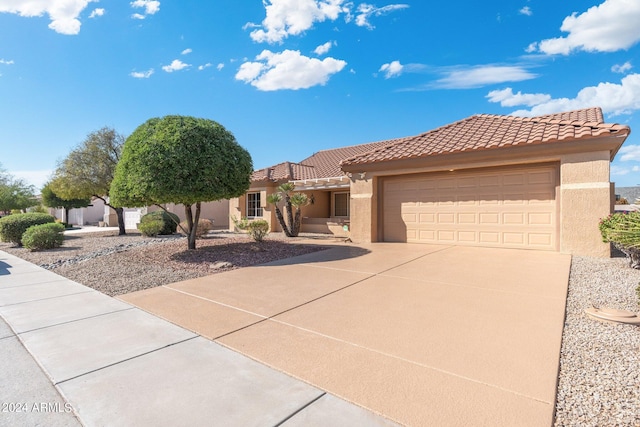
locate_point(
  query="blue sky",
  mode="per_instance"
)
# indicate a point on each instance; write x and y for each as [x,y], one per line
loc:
[291,77]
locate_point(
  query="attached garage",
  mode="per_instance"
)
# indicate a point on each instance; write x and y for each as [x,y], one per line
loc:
[511,207]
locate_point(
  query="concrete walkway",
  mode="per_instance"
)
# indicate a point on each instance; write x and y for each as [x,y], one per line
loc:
[421,334]
[72,356]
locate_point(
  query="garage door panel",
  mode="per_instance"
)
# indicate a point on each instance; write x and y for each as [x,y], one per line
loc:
[543,177]
[517,179]
[489,237]
[489,218]
[510,208]
[540,218]
[488,181]
[467,237]
[467,218]
[446,218]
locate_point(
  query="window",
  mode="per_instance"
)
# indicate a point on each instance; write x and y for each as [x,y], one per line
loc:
[254,207]
[341,204]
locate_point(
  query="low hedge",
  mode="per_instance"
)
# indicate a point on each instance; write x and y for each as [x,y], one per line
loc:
[12,227]
[43,236]
[169,222]
[151,228]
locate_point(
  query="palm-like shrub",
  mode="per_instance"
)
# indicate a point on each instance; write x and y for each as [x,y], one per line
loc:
[285,192]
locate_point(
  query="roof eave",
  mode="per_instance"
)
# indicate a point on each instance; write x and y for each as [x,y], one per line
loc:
[514,153]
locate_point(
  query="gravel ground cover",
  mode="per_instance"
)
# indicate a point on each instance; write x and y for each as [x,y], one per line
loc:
[599,380]
[117,265]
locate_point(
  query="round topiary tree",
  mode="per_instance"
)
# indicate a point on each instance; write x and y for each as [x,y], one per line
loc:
[182,160]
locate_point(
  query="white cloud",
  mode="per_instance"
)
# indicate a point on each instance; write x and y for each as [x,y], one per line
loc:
[618,170]
[507,98]
[151,7]
[97,12]
[366,11]
[526,11]
[393,69]
[482,75]
[142,74]
[204,67]
[63,13]
[288,70]
[323,48]
[220,66]
[186,51]
[293,17]
[176,65]
[608,27]
[622,68]
[614,99]
[630,153]
[6,62]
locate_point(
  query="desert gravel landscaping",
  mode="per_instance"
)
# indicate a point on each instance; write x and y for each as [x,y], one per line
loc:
[117,265]
[599,380]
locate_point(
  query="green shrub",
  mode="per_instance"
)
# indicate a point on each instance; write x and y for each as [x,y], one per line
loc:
[204,226]
[38,209]
[240,224]
[258,229]
[43,236]
[151,228]
[169,221]
[623,230]
[12,227]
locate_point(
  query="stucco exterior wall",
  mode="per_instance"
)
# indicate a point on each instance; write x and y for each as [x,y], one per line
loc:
[364,209]
[238,207]
[585,197]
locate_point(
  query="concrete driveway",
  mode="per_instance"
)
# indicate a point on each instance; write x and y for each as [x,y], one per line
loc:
[421,334]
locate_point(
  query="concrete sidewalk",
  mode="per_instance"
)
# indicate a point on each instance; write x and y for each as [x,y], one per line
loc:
[74,356]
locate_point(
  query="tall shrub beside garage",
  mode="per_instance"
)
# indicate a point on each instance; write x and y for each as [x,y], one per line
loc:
[623,230]
[182,160]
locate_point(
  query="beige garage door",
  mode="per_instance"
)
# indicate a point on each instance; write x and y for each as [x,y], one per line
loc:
[512,208]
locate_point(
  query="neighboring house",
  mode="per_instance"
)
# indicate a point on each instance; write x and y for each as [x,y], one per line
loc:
[91,215]
[488,180]
[630,193]
[217,211]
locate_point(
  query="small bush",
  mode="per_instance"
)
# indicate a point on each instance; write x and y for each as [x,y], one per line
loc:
[169,221]
[38,209]
[43,236]
[240,224]
[204,226]
[12,227]
[151,228]
[258,229]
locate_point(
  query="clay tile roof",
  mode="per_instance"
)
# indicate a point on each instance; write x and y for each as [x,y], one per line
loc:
[326,163]
[486,131]
[323,164]
[285,171]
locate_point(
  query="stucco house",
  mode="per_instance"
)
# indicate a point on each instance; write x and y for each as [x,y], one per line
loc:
[538,183]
